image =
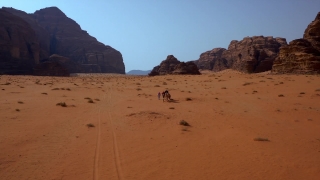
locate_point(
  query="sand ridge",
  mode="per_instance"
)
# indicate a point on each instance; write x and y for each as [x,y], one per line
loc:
[243,126]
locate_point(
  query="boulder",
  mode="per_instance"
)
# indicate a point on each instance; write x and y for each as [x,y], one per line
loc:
[172,65]
[301,56]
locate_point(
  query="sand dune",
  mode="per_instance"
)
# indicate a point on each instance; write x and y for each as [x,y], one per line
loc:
[257,126]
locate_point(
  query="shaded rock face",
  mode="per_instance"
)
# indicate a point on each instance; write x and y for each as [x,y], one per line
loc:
[301,56]
[19,46]
[58,34]
[251,55]
[173,66]
[186,68]
[211,60]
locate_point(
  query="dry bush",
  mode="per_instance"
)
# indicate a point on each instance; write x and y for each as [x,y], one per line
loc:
[156,86]
[280,95]
[184,123]
[138,89]
[223,88]
[62,104]
[45,93]
[90,125]
[90,101]
[188,99]
[138,84]
[17,110]
[261,139]
[164,83]
[171,107]
[55,89]
[247,83]
[20,102]
[87,98]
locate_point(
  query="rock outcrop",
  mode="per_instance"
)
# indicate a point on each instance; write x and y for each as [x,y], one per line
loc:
[173,66]
[55,33]
[301,56]
[55,65]
[211,60]
[19,46]
[251,55]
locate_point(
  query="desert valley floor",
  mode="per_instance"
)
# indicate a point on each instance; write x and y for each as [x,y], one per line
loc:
[242,126]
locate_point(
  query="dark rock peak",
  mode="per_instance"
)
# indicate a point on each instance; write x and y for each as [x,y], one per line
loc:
[50,11]
[172,65]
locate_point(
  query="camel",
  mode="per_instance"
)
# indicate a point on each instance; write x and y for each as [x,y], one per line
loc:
[166,96]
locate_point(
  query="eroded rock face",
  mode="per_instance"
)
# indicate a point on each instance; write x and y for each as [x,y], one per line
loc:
[251,55]
[58,34]
[19,46]
[55,65]
[211,60]
[173,66]
[186,68]
[301,56]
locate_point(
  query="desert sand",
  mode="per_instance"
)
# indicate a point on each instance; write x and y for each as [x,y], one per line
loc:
[242,126]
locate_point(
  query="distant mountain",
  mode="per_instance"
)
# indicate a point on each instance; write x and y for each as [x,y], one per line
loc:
[138,72]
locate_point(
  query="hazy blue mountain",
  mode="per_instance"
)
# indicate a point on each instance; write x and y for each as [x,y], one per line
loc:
[138,72]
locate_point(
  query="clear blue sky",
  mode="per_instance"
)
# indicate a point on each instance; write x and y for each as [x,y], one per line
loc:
[146,31]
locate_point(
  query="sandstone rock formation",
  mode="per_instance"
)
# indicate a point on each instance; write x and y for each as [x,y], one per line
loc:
[173,66]
[186,68]
[55,65]
[55,33]
[211,60]
[301,56]
[19,46]
[250,55]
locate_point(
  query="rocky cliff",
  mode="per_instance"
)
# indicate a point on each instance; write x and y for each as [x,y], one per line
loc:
[172,65]
[301,56]
[19,45]
[251,55]
[55,33]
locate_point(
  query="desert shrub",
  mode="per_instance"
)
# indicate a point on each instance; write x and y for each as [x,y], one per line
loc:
[156,86]
[280,95]
[188,99]
[20,102]
[90,101]
[18,110]
[55,89]
[247,83]
[45,93]
[171,107]
[184,123]
[261,139]
[164,83]
[90,125]
[62,104]
[138,89]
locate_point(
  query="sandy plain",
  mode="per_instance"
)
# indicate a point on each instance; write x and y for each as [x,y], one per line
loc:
[242,126]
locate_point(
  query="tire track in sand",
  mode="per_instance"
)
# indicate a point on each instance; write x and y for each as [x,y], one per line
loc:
[115,142]
[97,152]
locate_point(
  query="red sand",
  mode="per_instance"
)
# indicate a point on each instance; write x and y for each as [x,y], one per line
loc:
[137,136]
